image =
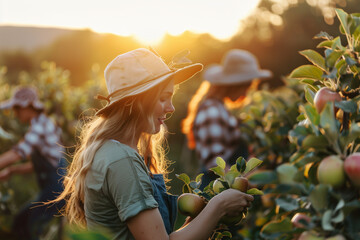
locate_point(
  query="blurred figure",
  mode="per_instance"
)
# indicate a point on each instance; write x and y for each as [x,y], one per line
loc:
[41,144]
[210,127]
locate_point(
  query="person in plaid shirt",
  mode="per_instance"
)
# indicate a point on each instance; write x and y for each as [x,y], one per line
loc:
[42,145]
[210,127]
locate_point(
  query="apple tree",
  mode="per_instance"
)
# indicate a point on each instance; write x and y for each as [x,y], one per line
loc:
[317,192]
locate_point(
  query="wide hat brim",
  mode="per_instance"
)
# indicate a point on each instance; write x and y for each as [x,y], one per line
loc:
[216,76]
[14,102]
[179,76]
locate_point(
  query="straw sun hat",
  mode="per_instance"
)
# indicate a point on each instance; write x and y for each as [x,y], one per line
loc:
[137,71]
[24,96]
[238,66]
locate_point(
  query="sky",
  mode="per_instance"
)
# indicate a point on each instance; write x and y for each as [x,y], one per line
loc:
[147,20]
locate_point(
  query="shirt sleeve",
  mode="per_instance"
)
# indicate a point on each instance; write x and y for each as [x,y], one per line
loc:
[32,139]
[129,186]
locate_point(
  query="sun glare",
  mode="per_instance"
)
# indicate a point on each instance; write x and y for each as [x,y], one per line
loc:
[147,20]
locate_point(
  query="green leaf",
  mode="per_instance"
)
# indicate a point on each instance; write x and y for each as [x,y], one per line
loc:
[333,56]
[251,164]
[350,61]
[328,121]
[319,197]
[347,106]
[325,44]
[220,162]
[337,44]
[254,191]
[315,58]
[186,189]
[241,164]
[341,66]
[309,95]
[193,184]
[343,19]
[307,71]
[199,177]
[312,114]
[288,203]
[218,171]
[338,218]
[316,142]
[184,177]
[276,227]
[263,177]
[323,35]
[326,221]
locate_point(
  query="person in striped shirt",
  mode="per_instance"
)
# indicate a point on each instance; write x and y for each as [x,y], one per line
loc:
[39,151]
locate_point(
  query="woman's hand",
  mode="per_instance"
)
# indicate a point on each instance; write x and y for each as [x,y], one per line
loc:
[232,202]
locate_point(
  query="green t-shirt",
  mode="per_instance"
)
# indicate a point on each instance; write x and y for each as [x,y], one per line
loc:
[117,187]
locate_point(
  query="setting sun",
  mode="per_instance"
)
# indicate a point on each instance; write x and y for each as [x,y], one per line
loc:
[148,21]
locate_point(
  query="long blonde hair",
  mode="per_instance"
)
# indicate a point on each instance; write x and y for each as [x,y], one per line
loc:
[123,119]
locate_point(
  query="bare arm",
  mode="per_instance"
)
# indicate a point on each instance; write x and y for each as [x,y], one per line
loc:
[17,169]
[9,158]
[149,225]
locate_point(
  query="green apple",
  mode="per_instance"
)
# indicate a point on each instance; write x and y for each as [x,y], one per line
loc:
[218,186]
[286,173]
[190,204]
[300,220]
[352,168]
[331,171]
[323,96]
[233,220]
[309,235]
[240,183]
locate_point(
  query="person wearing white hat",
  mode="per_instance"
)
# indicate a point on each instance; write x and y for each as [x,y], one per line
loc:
[115,181]
[210,127]
[42,145]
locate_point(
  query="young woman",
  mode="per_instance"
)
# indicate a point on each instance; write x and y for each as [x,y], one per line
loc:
[211,129]
[115,181]
[42,145]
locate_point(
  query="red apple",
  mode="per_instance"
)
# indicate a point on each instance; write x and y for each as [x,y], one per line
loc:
[240,183]
[323,96]
[190,204]
[300,220]
[352,168]
[331,171]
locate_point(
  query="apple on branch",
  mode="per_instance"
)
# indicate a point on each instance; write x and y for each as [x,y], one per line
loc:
[331,171]
[323,96]
[352,168]
[190,204]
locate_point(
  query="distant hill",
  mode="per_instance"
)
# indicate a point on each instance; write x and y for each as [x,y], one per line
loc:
[28,38]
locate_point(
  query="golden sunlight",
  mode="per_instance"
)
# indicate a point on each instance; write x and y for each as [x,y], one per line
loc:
[147,20]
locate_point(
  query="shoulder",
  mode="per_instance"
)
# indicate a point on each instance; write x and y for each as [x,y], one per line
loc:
[113,151]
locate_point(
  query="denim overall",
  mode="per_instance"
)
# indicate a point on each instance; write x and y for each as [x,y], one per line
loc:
[167,202]
[34,216]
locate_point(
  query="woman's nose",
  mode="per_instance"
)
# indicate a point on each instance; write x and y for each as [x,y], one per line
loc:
[170,108]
